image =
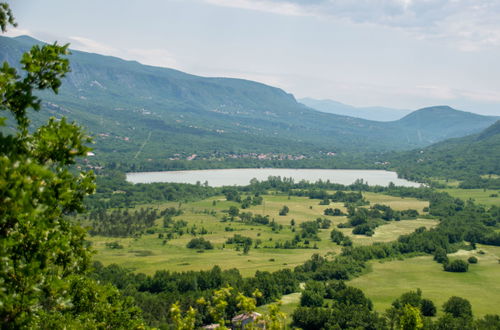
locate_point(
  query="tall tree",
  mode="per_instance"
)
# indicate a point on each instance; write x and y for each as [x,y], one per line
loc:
[43,256]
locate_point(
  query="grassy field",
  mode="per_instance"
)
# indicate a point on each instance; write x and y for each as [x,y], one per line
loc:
[480,285]
[148,254]
[480,196]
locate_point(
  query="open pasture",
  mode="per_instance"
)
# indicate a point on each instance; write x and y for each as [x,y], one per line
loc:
[148,253]
[480,285]
[480,196]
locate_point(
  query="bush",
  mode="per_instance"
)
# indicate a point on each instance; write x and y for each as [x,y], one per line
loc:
[440,255]
[457,266]
[472,260]
[363,229]
[200,244]
[458,307]
[114,245]
[427,307]
[284,210]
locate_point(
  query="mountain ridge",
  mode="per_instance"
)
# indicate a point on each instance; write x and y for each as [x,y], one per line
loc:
[144,112]
[376,113]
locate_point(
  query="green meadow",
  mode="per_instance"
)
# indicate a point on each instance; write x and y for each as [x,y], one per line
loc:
[486,197]
[389,279]
[148,253]
[385,282]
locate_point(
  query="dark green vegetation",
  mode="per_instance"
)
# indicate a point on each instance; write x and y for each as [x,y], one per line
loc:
[474,160]
[144,117]
[45,259]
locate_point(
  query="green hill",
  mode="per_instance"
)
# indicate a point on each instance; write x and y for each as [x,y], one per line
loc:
[473,159]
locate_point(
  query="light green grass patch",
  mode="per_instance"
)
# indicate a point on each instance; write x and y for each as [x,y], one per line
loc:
[480,285]
[148,254]
[480,196]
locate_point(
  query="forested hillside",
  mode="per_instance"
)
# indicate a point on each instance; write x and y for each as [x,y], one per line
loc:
[475,159]
[138,112]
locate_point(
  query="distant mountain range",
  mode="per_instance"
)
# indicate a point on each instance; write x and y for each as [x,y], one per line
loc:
[370,113]
[142,113]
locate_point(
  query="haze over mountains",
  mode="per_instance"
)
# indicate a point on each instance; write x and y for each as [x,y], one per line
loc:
[145,112]
[370,113]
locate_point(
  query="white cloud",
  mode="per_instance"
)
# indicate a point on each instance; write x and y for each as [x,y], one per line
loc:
[469,25]
[283,8]
[155,57]
[14,32]
[92,46]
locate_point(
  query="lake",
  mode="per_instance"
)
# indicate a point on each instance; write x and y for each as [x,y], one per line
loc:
[242,176]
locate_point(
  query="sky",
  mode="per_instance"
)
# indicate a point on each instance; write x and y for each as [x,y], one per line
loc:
[404,54]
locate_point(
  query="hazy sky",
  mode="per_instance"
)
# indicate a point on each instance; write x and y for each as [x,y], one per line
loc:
[397,53]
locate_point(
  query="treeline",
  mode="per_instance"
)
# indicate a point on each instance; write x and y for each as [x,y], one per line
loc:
[113,191]
[157,293]
[312,160]
[122,223]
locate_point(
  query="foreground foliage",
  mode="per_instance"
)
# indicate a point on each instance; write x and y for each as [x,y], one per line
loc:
[44,256]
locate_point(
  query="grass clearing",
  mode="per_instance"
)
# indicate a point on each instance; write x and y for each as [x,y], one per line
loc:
[480,285]
[148,254]
[480,196]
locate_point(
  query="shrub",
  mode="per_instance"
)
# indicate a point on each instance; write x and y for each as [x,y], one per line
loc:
[114,245]
[440,255]
[284,210]
[427,307]
[457,266]
[472,260]
[200,244]
[458,307]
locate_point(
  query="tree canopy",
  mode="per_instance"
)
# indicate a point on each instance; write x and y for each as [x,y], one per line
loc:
[43,255]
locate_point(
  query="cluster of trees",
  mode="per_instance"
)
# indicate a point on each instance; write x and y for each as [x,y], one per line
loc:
[250,218]
[333,212]
[113,191]
[365,220]
[156,294]
[199,244]
[122,223]
[232,194]
[338,237]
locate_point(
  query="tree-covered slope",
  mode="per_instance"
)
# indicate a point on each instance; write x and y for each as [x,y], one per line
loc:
[143,113]
[465,158]
[433,124]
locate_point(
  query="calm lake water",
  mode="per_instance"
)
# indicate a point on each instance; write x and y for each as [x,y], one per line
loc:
[242,176]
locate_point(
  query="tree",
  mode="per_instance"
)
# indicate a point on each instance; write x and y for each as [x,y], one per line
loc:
[233,211]
[427,307]
[458,307]
[410,318]
[44,256]
[284,210]
[440,255]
